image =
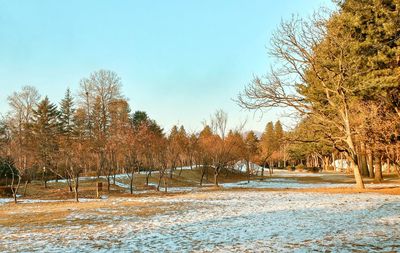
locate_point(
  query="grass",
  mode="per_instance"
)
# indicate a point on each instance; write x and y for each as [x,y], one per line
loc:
[184,178]
[87,188]
[39,216]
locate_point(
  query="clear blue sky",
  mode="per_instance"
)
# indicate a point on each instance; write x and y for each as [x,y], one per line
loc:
[178,60]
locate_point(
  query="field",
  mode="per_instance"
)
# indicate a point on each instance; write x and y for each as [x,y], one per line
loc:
[285,213]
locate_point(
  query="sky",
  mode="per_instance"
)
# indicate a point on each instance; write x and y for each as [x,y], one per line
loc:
[179,60]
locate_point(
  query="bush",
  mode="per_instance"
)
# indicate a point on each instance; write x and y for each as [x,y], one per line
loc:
[300,167]
[5,191]
[7,168]
[290,168]
[313,169]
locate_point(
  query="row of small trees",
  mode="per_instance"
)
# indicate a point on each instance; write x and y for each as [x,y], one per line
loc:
[339,72]
[95,133]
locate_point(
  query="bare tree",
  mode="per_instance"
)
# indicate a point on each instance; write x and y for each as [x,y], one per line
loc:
[314,77]
[22,106]
[96,95]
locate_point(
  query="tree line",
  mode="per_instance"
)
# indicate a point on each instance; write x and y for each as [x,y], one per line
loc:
[339,72]
[94,132]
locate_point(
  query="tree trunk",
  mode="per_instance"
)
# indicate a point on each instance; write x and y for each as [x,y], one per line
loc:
[99,186]
[356,169]
[165,185]
[108,183]
[69,182]
[171,171]
[147,178]
[350,143]
[15,191]
[131,182]
[263,168]
[378,169]
[216,174]
[159,180]
[270,168]
[364,166]
[44,177]
[25,186]
[203,172]
[356,172]
[76,186]
[326,163]
[363,161]
[371,165]
[248,171]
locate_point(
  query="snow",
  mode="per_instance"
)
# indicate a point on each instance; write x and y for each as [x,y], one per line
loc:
[5,200]
[234,221]
[286,183]
[278,183]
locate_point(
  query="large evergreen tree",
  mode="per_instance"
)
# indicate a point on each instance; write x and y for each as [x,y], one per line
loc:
[267,144]
[66,115]
[45,129]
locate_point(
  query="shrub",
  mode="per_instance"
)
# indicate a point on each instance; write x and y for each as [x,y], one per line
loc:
[300,167]
[290,167]
[331,168]
[7,168]
[313,169]
[5,191]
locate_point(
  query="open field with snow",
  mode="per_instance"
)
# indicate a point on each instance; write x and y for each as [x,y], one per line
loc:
[217,221]
[288,212]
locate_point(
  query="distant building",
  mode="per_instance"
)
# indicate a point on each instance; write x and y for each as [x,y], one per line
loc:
[341,164]
[242,166]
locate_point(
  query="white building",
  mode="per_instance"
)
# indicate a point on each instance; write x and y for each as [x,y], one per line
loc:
[242,166]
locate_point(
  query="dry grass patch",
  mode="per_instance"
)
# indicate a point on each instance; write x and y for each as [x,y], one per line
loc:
[59,213]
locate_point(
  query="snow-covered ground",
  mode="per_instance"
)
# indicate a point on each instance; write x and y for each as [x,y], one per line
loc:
[281,179]
[234,221]
[287,183]
[281,183]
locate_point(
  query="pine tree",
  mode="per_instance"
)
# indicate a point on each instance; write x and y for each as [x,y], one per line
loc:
[268,145]
[278,132]
[45,129]
[66,115]
[268,141]
[251,143]
[279,145]
[138,118]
